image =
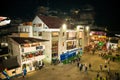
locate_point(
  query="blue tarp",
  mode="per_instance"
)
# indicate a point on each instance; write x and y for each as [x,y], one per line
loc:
[67,55]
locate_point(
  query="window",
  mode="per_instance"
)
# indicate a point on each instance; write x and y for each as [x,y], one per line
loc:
[71,35]
[40,25]
[34,33]
[40,33]
[80,35]
[63,33]
[20,30]
[34,25]
[55,34]
[71,45]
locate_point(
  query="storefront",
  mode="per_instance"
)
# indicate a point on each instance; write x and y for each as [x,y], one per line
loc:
[31,60]
[98,39]
[68,56]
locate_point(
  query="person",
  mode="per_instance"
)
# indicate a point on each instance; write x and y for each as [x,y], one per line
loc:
[24,72]
[89,66]
[108,70]
[41,64]
[98,75]
[4,72]
[108,60]
[86,69]
[101,67]
[78,64]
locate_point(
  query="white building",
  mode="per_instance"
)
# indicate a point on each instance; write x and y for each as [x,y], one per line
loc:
[63,37]
[29,51]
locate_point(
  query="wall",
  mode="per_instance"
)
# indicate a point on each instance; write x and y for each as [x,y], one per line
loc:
[47,35]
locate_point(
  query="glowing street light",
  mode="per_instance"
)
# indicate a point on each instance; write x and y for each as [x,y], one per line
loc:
[87,28]
[64,26]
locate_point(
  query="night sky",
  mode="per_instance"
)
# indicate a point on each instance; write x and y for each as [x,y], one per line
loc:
[107,11]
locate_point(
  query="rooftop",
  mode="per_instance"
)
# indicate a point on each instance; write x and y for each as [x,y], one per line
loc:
[24,40]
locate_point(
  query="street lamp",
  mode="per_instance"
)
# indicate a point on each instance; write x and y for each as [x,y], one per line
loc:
[87,28]
[64,26]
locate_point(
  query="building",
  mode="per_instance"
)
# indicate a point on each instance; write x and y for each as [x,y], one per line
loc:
[29,51]
[63,37]
[98,37]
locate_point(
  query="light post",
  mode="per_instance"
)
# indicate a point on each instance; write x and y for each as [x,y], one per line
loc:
[64,27]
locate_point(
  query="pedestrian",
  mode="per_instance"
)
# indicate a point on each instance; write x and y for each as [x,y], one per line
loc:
[85,69]
[108,60]
[101,67]
[105,65]
[117,76]
[89,66]
[40,65]
[24,72]
[101,78]
[108,70]
[98,75]
[78,59]
[78,64]
[4,72]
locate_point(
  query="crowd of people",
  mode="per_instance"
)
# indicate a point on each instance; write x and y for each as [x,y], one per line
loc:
[86,67]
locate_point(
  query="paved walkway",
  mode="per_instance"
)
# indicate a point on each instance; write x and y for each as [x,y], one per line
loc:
[71,71]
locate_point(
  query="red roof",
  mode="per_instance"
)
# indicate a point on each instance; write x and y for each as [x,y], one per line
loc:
[52,21]
[2,18]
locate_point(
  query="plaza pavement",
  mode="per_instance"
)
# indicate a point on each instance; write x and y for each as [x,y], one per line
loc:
[71,71]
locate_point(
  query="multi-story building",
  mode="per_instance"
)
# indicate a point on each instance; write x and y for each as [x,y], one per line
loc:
[63,38]
[29,51]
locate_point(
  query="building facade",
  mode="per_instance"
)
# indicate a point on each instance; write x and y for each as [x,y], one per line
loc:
[29,51]
[63,38]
